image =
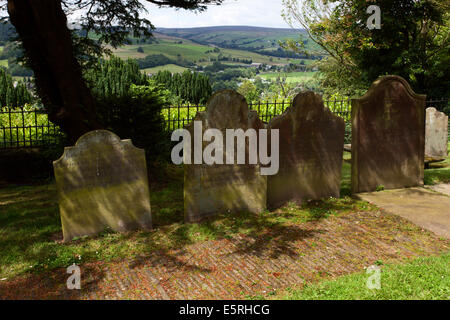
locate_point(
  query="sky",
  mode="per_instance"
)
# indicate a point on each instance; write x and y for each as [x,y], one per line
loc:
[260,13]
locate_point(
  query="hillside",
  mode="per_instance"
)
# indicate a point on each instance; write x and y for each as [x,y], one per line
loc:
[241,36]
[256,39]
[185,51]
[232,45]
[180,49]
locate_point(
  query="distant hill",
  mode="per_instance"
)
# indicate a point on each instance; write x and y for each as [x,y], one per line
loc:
[255,39]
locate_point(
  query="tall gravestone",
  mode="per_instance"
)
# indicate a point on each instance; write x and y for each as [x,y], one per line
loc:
[436,134]
[311,152]
[388,136]
[102,183]
[224,188]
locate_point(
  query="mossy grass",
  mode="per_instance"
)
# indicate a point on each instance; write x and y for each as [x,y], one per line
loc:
[426,278]
[30,226]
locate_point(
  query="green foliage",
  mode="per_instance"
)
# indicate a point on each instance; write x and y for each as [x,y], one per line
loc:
[7,32]
[129,104]
[177,117]
[249,91]
[228,78]
[10,50]
[114,77]
[14,54]
[191,87]
[25,119]
[13,95]
[116,22]
[155,60]
[413,41]
[216,67]
[219,85]
[26,127]
[334,78]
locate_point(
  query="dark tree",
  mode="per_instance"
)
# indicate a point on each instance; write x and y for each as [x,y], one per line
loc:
[55,53]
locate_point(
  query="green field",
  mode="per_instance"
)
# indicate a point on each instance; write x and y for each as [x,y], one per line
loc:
[192,52]
[290,76]
[172,50]
[203,46]
[173,68]
[180,46]
[242,37]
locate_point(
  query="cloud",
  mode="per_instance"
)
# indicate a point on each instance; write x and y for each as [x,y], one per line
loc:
[261,13]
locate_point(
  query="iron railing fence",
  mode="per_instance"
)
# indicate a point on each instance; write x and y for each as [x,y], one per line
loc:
[30,127]
[177,117]
[26,127]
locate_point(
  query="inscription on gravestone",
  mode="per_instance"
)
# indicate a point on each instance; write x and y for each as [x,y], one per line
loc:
[215,189]
[436,134]
[102,182]
[388,136]
[311,140]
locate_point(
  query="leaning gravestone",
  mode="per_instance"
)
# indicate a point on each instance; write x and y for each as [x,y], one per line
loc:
[388,135]
[311,153]
[223,188]
[102,183]
[436,134]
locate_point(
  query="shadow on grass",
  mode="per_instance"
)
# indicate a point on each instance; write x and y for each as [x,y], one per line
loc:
[30,228]
[51,285]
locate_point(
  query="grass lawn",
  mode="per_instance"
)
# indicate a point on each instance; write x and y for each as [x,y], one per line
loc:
[421,279]
[30,226]
[30,232]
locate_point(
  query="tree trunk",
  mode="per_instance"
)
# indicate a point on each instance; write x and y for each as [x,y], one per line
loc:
[42,28]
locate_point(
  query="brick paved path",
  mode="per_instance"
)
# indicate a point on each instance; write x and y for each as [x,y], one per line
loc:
[244,266]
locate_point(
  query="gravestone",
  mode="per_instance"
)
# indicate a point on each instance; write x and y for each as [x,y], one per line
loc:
[311,153]
[224,188]
[436,134]
[388,136]
[102,183]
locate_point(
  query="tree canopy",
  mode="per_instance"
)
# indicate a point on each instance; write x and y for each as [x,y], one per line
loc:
[56,54]
[413,40]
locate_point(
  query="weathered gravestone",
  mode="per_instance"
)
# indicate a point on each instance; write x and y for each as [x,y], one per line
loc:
[224,188]
[311,140]
[436,134]
[388,136]
[102,182]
